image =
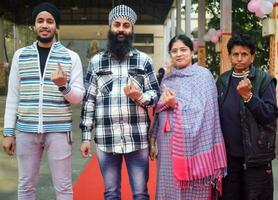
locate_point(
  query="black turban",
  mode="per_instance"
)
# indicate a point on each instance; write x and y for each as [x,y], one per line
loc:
[48,7]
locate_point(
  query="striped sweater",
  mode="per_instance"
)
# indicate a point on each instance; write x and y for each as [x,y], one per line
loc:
[34,103]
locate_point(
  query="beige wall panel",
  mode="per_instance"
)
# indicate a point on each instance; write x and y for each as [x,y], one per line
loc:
[70,32]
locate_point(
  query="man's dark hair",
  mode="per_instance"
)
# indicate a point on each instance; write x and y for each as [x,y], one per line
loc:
[241,40]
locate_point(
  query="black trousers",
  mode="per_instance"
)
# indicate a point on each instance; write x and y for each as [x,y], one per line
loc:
[242,183]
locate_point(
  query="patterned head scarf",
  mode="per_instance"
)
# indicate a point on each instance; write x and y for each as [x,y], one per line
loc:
[122,11]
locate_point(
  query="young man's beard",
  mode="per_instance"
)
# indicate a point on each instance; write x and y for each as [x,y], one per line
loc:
[46,39]
[119,48]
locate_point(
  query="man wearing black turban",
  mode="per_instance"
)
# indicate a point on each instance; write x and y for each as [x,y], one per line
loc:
[54,17]
[45,79]
[50,8]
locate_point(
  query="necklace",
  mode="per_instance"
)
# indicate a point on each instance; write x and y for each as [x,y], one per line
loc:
[240,75]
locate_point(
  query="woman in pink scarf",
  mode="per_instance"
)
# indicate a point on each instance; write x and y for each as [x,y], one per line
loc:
[186,133]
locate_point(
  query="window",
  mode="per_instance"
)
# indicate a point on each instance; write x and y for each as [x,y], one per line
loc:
[144,42]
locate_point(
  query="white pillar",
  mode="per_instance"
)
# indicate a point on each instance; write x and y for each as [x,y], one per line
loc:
[178,21]
[167,37]
[173,23]
[187,29]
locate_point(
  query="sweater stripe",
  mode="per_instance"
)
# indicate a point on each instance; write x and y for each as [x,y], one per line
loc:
[40,96]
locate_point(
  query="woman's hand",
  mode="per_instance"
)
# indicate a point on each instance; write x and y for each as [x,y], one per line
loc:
[168,98]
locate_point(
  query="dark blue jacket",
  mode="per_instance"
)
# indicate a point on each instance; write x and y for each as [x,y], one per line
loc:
[257,117]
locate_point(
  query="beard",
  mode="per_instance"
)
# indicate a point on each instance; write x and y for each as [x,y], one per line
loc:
[119,47]
[45,39]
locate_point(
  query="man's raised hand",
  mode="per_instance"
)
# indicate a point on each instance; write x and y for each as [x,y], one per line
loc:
[59,77]
[244,87]
[132,91]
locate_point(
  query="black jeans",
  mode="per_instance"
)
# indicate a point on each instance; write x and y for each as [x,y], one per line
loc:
[241,183]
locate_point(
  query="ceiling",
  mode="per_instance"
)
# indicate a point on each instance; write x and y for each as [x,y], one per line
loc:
[88,11]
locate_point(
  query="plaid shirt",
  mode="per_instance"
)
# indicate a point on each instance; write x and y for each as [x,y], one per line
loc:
[120,125]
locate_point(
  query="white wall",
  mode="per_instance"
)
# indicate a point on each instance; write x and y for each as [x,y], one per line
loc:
[97,32]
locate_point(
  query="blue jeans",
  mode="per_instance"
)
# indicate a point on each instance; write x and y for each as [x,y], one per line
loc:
[137,164]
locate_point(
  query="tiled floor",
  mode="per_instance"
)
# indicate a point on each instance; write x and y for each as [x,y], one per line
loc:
[8,166]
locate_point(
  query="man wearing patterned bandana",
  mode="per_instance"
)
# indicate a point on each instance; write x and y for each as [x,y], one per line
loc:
[45,79]
[247,101]
[121,85]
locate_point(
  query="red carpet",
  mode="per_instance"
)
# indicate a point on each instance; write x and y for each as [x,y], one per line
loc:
[89,185]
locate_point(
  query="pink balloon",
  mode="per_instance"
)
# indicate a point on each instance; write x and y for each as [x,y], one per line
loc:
[219,33]
[253,5]
[195,45]
[259,12]
[214,39]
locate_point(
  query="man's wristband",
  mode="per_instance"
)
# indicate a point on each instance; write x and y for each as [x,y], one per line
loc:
[86,141]
[8,136]
[249,99]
